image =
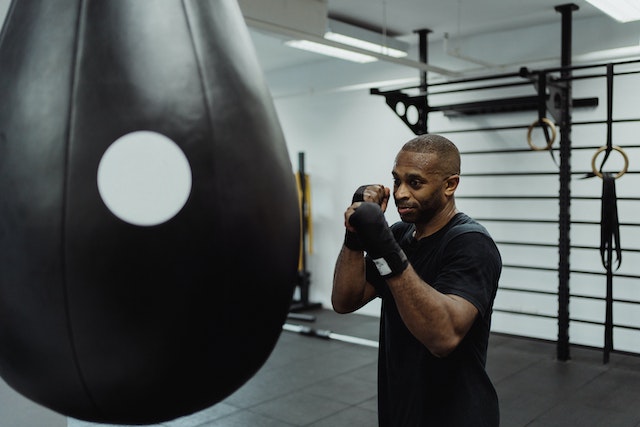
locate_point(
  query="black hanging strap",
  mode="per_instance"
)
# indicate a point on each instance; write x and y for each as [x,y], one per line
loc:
[609,225]
[542,111]
[609,241]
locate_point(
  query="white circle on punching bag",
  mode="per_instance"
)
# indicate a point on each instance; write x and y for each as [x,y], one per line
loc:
[144,178]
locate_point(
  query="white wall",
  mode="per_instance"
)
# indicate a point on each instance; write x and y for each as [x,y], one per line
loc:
[351,137]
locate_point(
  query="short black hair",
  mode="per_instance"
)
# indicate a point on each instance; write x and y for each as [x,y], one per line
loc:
[447,152]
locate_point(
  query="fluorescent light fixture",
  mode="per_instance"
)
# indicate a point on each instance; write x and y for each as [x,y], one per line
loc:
[353,39]
[365,39]
[620,10]
[627,52]
[336,52]
[362,44]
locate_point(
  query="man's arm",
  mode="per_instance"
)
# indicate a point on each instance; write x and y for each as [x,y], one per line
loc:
[350,288]
[440,321]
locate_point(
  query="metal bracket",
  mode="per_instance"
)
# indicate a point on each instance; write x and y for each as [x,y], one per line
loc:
[549,93]
[412,110]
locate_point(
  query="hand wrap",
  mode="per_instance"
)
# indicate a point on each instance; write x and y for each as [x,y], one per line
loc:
[358,196]
[351,239]
[377,239]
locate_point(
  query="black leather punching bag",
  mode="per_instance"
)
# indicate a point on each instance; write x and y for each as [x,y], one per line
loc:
[134,319]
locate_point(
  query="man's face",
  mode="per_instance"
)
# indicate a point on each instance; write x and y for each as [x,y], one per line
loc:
[419,188]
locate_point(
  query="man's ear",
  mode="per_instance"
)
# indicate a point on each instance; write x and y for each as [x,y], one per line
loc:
[452,184]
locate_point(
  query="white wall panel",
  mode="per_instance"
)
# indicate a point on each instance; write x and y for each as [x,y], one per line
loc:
[533,327]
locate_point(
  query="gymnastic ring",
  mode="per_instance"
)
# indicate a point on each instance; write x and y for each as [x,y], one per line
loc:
[615,148]
[550,142]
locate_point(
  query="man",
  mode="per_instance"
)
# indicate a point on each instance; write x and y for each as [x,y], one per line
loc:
[437,274]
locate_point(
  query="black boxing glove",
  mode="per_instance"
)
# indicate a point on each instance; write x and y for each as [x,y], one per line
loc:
[377,239]
[351,239]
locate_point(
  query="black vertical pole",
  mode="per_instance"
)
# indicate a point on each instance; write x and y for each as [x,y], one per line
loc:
[423,52]
[303,275]
[564,220]
[423,47]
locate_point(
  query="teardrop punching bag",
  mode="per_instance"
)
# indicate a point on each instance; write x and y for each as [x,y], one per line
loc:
[109,318]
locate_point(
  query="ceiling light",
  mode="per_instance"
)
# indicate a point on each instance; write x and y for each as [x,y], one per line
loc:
[330,51]
[626,53]
[355,42]
[365,39]
[362,44]
[620,10]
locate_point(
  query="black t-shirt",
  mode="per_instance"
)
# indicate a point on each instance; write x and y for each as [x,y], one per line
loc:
[415,388]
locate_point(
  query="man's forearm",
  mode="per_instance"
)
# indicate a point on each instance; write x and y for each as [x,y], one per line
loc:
[439,321]
[349,282]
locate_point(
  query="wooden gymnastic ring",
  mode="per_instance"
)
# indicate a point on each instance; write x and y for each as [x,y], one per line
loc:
[615,148]
[550,142]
